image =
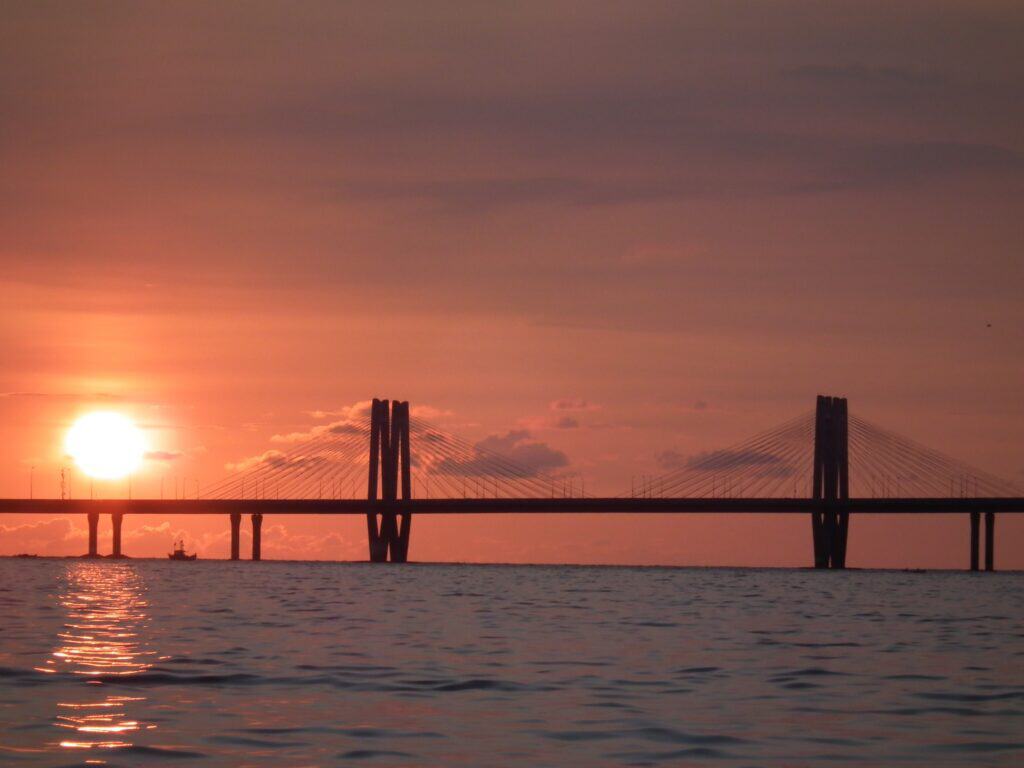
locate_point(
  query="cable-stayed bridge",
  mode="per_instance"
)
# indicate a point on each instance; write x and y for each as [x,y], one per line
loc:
[388,466]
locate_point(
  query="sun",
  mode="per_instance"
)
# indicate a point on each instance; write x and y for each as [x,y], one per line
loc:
[105,445]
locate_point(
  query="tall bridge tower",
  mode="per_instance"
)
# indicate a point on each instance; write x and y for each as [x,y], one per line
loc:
[831,483]
[389,474]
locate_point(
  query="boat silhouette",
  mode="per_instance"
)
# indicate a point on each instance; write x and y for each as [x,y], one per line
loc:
[179,552]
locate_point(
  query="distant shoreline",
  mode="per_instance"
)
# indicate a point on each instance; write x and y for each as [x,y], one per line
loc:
[109,558]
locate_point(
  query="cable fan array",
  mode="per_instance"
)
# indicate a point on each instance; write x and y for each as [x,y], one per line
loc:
[775,463]
[445,465]
[333,464]
[884,464]
[780,462]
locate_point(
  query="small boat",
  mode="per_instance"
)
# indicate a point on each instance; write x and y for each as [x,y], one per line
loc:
[179,552]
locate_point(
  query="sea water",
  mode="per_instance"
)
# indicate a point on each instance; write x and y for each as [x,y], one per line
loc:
[135,663]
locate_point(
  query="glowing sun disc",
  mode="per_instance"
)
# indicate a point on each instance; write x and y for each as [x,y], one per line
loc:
[105,445]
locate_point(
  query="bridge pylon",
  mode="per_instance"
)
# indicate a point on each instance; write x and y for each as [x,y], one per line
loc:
[831,482]
[389,479]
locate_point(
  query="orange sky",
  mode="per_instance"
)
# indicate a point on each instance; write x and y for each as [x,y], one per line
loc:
[691,218]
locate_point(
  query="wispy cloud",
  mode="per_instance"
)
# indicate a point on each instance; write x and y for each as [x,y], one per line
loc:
[573,404]
[163,455]
[528,455]
[72,396]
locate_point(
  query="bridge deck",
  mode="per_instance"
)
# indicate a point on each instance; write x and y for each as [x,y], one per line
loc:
[508,506]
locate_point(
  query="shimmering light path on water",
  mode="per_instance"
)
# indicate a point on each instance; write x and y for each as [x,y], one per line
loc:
[287,664]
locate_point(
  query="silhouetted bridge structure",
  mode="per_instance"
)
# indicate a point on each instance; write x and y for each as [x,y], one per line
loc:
[822,454]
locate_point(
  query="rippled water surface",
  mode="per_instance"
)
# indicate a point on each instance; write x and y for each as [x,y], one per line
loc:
[303,664]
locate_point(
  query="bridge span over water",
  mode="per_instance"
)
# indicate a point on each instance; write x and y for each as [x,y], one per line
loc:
[763,475]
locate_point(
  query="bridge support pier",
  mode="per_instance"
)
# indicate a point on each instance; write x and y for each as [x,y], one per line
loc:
[236,525]
[257,526]
[975,531]
[831,482]
[116,519]
[390,462]
[990,541]
[94,527]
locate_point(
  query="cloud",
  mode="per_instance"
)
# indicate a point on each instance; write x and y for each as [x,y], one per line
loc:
[864,78]
[351,419]
[896,163]
[163,455]
[63,536]
[70,396]
[433,436]
[338,452]
[299,437]
[45,537]
[353,423]
[763,462]
[678,141]
[347,428]
[487,194]
[60,527]
[343,427]
[670,460]
[553,421]
[759,463]
[572,404]
[517,447]
[275,459]
[321,414]
[429,412]
[357,410]
[280,543]
[150,538]
[361,410]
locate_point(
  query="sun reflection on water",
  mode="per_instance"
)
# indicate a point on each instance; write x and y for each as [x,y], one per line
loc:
[106,609]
